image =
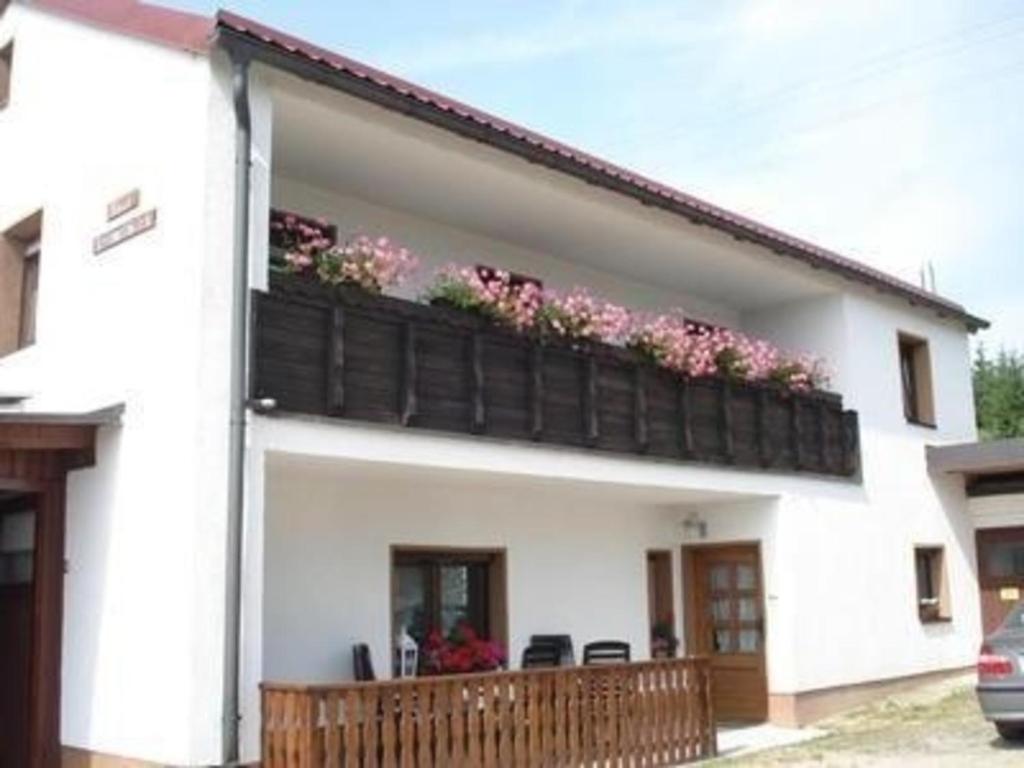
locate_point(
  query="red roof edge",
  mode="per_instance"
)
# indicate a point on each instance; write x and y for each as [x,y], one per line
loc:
[165,26]
[456,114]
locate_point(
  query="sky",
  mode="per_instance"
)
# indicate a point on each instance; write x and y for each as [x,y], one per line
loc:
[892,132]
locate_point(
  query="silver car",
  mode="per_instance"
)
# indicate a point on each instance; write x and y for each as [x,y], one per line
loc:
[1001,676]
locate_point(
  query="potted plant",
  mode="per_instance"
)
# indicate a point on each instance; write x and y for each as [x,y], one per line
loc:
[372,264]
[578,316]
[292,233]
[663,639]
[461,652]
[493,294]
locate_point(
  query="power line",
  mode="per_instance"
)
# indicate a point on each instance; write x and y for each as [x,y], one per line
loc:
[868,69]
[987,77]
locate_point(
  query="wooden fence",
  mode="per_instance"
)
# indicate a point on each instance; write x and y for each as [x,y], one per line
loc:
[647,713]
[344,353]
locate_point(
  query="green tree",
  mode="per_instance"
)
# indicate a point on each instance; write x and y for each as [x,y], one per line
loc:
[999,394]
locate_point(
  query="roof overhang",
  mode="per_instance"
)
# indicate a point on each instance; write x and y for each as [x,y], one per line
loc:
[253,41]
[71,434]
[983,458]
[988,468]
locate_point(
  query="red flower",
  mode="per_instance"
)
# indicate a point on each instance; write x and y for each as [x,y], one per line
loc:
[462,651]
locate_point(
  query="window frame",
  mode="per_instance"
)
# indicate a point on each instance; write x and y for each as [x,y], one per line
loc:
[516,280]
[6,72]
[933,603]
[21,253]
[495,589]
[917,393]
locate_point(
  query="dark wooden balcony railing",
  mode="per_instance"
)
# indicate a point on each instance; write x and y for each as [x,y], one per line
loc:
[647,713]
[344,353]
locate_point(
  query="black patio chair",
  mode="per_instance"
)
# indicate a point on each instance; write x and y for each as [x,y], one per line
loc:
[566,655]
[362,664]
[540,655]
[606,652]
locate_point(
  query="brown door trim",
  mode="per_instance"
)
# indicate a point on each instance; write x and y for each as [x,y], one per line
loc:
[48,623]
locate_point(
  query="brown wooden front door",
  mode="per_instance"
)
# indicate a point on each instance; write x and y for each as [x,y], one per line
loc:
[1000,572]
[725,621]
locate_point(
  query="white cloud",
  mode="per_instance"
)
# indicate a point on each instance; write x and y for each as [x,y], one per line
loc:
[874,128]
[772,20]
[567,29]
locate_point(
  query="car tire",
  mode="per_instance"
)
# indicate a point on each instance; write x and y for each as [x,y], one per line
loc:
[1011,731]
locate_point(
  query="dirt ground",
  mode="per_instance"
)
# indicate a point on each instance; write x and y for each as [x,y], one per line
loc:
[939,726]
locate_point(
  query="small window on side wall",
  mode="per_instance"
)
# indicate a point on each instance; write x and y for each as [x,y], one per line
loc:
[20,256]
[932,584]
[6,61]
[916,380]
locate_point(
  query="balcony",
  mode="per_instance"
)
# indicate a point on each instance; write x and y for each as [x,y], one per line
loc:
[343,353]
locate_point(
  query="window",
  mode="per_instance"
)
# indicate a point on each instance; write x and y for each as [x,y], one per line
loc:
[438,589]
[916,380]
[17,539]
[20,258]
[6,60]
[932,586]
[515,280]
[1000,557]
[29,293]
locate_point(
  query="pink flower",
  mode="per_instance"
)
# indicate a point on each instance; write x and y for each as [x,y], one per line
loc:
[491,294]
[579,315]
[370,264]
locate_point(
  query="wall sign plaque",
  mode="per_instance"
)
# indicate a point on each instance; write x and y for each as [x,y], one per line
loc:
[129,201]
[134,226]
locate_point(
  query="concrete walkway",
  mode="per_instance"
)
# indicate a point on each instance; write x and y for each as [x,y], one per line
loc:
[741,740]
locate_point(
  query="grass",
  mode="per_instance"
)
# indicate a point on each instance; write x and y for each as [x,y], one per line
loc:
[936,725]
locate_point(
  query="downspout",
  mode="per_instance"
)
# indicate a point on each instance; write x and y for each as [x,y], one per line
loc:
[236,439]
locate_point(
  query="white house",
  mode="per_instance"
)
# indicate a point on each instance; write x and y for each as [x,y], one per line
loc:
[214,476]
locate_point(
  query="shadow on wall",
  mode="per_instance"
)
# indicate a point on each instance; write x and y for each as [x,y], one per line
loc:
[950,492]
[91,497]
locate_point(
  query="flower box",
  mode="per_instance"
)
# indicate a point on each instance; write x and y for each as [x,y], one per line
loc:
[346,353]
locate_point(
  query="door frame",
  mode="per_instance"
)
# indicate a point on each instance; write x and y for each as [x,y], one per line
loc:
[688,573]
[35,458]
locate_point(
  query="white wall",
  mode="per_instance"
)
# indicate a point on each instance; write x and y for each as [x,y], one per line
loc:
[575,560]
[855,560]
[624,496]
[93,115]
[855,587]
[438,244]
[869,369]
[837,556]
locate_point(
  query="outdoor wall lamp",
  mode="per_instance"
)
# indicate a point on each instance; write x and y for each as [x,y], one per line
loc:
[262,404]
[693,524]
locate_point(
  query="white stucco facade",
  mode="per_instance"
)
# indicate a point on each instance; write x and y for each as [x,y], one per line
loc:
[147,325]
[143,324]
